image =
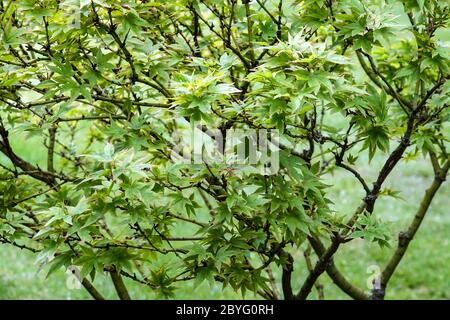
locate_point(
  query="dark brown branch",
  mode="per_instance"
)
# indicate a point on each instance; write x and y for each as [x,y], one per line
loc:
[374,74]
[5,148]
[355,173]
[81,118]
[15,244]
[244,61]
[267,11]
[201,224]
[286,277]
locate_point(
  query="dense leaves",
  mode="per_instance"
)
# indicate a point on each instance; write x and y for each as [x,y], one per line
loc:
[114,90]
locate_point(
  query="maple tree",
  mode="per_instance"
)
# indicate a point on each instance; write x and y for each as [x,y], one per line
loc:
[107,86]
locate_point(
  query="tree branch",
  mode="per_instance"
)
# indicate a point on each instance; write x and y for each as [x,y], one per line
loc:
[51,148]
[119,285]
[405,237]
[385,85]
[355,173]
[318,269]
[92,290]
[317,285]
[5,148]
[337,277]
[286,277]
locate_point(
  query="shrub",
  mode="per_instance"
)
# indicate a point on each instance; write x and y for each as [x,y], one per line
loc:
[117,90]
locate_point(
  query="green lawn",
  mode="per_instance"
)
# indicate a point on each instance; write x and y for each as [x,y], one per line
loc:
[423,273]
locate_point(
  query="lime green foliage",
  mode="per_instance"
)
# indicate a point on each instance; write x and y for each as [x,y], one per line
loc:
[121,155]
[422,274]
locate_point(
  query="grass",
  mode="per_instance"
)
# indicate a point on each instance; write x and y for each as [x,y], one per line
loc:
[423,273]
